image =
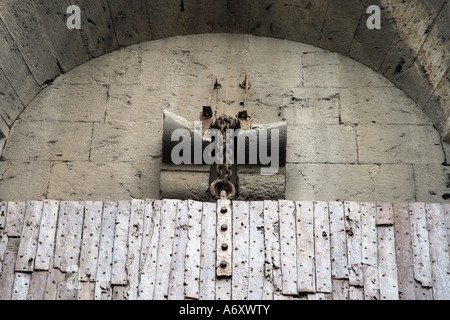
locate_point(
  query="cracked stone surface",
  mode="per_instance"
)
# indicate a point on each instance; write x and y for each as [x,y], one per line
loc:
[96,132]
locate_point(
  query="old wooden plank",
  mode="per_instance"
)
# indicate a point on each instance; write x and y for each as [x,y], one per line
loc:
[21,285]
[86,290]
[224,238]
[119,274]
[135,235]
[369,233]
[223,288]
[354,240]
[306,270]
[322,247]
[192,260]
[177,268]
[149,253]
[3,211]
[439,253]
[420,244]
[29,238]
[14,218]
[93,212]
[241,248]
[167,231]
[103,289]
[7,275]
[54,276]
[385,214]
[280,296]
[338,240]
[403,251]
[68,234]
[119,293]
[288,246]
[355,293]
[208,252]
[37,285]
[371,283]
[256,252]
[3,247]
[319,296]
[340,289]
[387,263]
[47,233]
[67,288]
[272,272]
[446,208]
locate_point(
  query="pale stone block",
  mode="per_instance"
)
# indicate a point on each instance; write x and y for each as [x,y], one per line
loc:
[350,182]
[185,185]
[321,144]
[432,183]
[399,143]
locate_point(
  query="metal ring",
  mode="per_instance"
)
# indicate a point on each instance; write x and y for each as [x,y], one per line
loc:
[212,189]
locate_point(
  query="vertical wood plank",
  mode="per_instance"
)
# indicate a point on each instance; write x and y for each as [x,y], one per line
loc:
[29,238]
[3,247]
[119,271]
[338,241]
[167,231]
[288,246]
[92,225]
[192,261]
[7,276]
[387,263]
[340,289]
[306,270]
[149,255]
[256,252]
[446,208]
[403,251]
[3,212]
[272,269]
[47,233]
[420,244]
[354,238]
[37,285]
[135,235]
[21,285]
[322,247]
[385,214]
[208,252]
[371,283]
[369,233]
[14,218]
[119,293]
[223,288]
[224,215]
[439,254]
[355,293]
[176,280]
[241,248]
[86,290]
[54,276]
[103,289]
[68,235]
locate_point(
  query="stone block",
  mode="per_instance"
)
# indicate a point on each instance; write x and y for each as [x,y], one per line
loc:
[379,105]
[104,181]
[165,17]
[321,144]
[23,180]
[262,43]
[350,182]
[254,186]
[432,183]
[49,141]
[123,142]
[10,105]
[185,185]
[68,103]
[399,144]
[203,16]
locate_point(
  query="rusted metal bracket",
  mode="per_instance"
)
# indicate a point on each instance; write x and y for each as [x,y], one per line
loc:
[206,116]
[245,120]
[224,237]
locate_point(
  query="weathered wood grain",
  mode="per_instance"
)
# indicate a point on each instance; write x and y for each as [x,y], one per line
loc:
[135,235]
[47,233]
[306,270]
[14,219]
[37,285]
[354,240]
[256,251]
[103,289]
[369,233]
[338,241]
[241,248]
[322,247]
[167,231]
[3,211]
[119,274]
[21,285]
[385,214]
[387,263]
[439,254]
[288,246]
[208,253]
[192,259]
[340,289]
[86,290]
[29,238]
[371,282]
[272,269]
[7,275]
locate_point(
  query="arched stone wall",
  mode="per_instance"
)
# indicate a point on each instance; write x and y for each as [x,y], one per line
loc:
[410,49]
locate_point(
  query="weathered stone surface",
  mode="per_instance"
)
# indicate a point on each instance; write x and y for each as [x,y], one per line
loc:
[49,141]
[120,141]
[165,17]
[432,183]
[399,144]
[321,144]
[356,182]
[203,16]
[379,105]
[68,103]
[22,181]
[10,104]
[23,26]
[254,186]
[104,181]
[185,185]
